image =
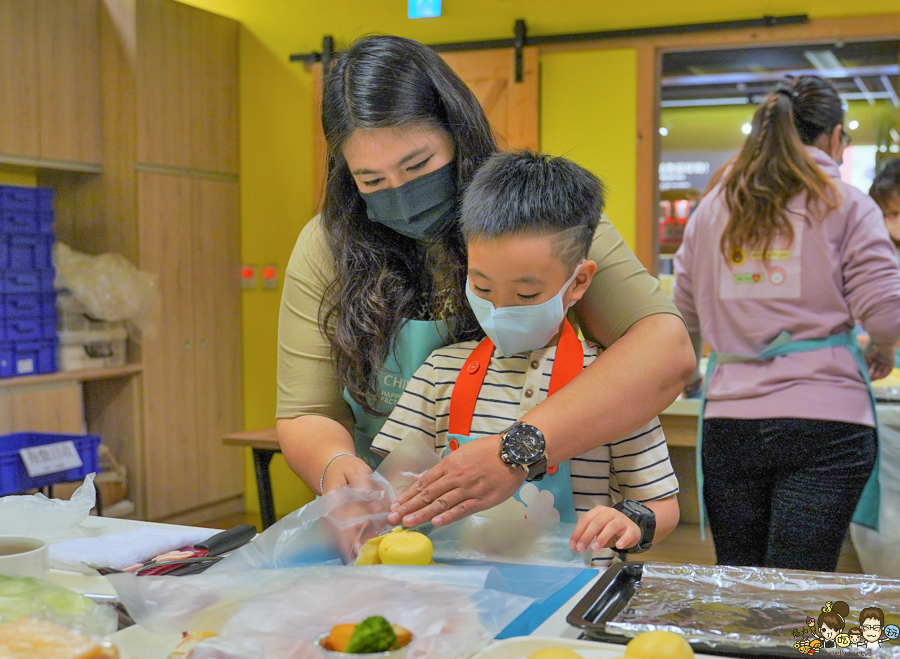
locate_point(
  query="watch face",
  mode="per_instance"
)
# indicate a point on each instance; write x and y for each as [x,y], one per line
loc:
[636,507]
[525,444]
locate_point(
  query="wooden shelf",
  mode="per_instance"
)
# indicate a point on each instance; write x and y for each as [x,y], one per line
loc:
[31,163]
[73,376]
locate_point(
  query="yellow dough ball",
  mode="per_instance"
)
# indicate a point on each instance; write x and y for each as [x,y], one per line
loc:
[555,653]
[368,553]
[659,645]
[405,548]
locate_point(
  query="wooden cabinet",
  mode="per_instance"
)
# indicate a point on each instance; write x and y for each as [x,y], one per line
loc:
[69,73]
[50,82]
[186,87]
[189,236]
[217,326]
[18,79]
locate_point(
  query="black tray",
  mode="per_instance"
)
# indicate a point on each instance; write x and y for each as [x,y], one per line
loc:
[611,594]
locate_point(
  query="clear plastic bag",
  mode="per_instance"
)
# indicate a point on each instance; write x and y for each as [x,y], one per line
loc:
[451,612]
[42,600]
[331,529]
[37,516]
[110,287]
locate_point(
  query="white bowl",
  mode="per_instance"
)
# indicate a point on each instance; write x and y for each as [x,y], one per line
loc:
[399,653]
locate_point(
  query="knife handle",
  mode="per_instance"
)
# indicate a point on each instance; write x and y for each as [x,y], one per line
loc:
[228,540]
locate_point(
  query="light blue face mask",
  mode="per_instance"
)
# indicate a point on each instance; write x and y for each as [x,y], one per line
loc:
[524,328]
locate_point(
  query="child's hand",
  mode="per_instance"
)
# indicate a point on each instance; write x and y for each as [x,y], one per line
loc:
[604,527]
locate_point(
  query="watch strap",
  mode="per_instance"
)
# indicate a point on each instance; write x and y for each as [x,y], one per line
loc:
[537,470]
[647,524]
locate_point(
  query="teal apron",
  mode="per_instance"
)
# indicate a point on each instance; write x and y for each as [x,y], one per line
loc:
[551,498]
[415,341]
[867,509]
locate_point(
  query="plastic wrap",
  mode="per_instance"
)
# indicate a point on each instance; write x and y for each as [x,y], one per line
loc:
[278,613]
[43,600]
[747,607]
[331,529]
[110,287]
[37,516]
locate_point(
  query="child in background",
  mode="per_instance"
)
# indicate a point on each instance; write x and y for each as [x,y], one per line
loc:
[529,220]
[885,191]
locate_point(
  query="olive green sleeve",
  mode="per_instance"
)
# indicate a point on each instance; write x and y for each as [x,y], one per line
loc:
[306,380]
[621,293]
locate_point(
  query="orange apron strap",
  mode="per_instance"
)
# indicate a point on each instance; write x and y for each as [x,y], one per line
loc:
[467,387]
[569,360]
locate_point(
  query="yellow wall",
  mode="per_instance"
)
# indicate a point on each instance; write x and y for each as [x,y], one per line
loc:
[595,132]
[13,176]
[590,90]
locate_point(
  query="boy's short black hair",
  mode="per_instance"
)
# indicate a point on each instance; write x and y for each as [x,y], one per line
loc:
[528,193]
[886,183]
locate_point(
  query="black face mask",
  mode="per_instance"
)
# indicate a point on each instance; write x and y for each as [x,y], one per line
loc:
[418,209]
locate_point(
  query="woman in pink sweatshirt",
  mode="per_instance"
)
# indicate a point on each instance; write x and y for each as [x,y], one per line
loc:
[781,245]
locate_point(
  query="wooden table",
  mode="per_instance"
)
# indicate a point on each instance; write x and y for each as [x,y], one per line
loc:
[265,445]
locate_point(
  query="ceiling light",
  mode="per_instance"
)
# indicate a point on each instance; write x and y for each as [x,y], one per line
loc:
[663,131]
[853,125]
[823,59]
[895,135]
[883,148]
[746,128]
[895,148]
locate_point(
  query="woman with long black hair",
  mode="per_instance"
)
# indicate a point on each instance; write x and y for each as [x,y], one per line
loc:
[377,281]
[778,263]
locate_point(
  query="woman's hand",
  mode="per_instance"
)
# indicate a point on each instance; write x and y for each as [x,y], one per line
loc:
[603,527]
[880,361]
[347,470]
[471,479]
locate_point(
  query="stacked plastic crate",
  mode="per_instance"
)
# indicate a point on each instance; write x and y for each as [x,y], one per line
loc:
[27,294]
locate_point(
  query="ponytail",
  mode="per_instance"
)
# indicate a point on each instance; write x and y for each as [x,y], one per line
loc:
[773,165]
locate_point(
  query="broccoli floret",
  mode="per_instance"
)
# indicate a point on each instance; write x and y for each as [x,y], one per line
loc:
[373,634]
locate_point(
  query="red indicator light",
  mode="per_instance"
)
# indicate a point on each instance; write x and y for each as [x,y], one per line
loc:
[270,272]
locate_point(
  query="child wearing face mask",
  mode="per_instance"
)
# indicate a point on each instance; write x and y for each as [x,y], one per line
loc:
[528,220]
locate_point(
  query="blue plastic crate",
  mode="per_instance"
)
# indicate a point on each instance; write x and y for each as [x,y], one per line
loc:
[45,200]
[45,223]
[13,476]
[27,358]
[30,252]
[20,221]
[18,198]
[4,251]
[30,329]
[13,282]
[26,305]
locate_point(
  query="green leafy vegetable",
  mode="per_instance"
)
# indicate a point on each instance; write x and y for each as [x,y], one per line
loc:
[373,634]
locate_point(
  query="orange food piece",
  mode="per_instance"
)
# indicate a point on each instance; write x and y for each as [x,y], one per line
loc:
[28,638]
[339,637]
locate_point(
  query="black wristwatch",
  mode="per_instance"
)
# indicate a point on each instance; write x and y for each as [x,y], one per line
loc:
[524,446]
[644,518]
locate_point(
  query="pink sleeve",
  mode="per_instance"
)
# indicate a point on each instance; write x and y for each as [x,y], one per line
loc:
[871,273]
[684,264]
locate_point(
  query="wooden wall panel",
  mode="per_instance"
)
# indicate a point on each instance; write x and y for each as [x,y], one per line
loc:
[19,132]
[163,80]
[69,63]
[57,408]
[213,93]
[218,331]
[174,472]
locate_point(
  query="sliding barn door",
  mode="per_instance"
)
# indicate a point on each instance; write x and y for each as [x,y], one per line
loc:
[511,107]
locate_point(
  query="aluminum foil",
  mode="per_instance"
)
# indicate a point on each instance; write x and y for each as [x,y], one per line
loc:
[745,607]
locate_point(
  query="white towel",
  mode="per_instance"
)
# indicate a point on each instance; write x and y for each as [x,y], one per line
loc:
[123,549]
